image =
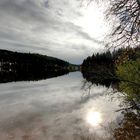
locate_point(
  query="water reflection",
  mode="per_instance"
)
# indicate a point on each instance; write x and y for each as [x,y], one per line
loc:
[93,118]
[128,124]
[30,76]
[129,128]
[58,109]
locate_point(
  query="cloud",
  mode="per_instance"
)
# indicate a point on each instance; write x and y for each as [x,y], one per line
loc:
[47,27]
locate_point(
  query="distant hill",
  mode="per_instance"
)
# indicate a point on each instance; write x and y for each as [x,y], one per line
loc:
[27,66]
[30,58]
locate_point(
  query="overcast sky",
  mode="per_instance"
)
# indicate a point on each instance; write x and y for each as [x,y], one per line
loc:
[66,29]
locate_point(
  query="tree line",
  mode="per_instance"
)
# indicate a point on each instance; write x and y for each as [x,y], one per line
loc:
[26,66]
[106,68]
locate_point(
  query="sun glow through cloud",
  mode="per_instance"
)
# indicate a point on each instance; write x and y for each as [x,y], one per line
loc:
[65,29]
[93,20]
[93,118]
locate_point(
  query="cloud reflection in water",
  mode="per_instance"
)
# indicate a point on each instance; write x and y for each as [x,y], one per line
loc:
[54,109]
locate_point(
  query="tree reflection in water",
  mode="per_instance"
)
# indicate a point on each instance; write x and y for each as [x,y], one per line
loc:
[129,126]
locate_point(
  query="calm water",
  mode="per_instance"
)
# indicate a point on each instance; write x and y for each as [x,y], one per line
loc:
[61,108]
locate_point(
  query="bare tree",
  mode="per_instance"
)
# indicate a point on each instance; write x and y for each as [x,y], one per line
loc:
[127,30]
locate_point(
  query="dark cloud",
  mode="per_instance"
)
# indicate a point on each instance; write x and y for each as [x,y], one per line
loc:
[23,9]
[44,26]
[18,46]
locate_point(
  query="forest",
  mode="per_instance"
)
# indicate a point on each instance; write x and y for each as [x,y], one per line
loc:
[15,66]
[119,66]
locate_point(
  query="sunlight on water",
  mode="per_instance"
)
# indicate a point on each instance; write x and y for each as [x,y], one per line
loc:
[53,109]
[93,118]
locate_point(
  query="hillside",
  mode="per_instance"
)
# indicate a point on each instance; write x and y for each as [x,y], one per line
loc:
[15,66]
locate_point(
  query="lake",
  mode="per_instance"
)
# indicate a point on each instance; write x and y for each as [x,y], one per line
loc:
[61,108]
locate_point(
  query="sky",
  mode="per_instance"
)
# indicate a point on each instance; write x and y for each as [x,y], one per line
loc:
[66,29]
